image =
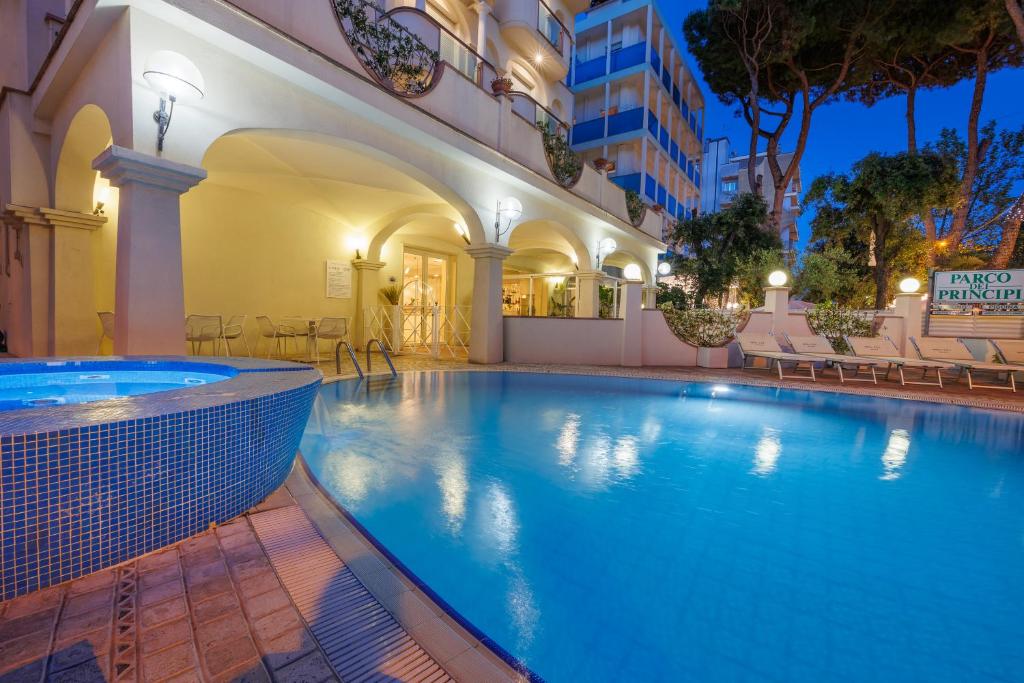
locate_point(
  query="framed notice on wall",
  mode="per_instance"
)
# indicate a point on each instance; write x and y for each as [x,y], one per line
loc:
[339,280]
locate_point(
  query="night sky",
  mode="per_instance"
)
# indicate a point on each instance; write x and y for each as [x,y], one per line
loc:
[842,133]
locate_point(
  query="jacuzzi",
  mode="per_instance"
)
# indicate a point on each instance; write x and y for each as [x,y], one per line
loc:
[103,460]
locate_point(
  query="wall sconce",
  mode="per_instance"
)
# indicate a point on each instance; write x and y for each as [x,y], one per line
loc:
[604,248]
[357,243]
[102,196]
[509,209]
[463,233]
[632,272]
[173,76]
[664,268]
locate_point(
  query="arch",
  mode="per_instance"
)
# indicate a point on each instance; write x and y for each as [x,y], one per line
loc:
[392,223]
[454,13]
[459,207]
[572,245]
[75,180]
[622,257]
[559,110]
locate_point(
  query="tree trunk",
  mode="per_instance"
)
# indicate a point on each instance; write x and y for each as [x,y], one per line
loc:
[956,229]
[1017,14]
[911,120]
[881,277]
[755,116]
[1011,233]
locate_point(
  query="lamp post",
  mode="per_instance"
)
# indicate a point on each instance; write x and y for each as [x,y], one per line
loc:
[509,209]
[174,77]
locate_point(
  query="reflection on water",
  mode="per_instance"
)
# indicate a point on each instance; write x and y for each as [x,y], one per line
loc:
[354,476]
[767,452]
[569,440]
[454,487]
[895,455]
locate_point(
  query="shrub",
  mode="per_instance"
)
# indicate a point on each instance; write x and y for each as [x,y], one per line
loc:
[707,327]
[836,322]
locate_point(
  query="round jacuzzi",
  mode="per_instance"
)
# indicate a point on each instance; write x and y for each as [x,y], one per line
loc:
[103,460]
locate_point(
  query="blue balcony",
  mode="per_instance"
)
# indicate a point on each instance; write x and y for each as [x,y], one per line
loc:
[685,108]
[700,133]
[652,123]
[629,181]
[664,139]
[693,122]
[696,179]
[588,130]
[677,96]
[589,70]
[650,188]
[655,61]
[666,80]
[674,152]
[662,195]
[626,121]
[629,56]
[671,205]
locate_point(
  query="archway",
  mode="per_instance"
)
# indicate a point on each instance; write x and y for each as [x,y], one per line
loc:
[541,277]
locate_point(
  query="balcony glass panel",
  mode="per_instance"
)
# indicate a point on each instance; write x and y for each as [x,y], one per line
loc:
[677,96]
[655,61]
[589,70]
[696,179]
[629,56]
[650,188]
[652,123]
[626,121]
[549,27]
[693,122]
[671,205]
[662,195]
[664,139]
[666,80]
[685,108]
[674,152]
[456,54]
[629,181]
[587,131]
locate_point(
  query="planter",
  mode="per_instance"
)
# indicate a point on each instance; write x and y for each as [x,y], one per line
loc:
[657,208]
[713,357]
[601,164]
[501,86]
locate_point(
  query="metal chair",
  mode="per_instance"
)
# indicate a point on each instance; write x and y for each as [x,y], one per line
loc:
[235,329]
[278,333]
[204,328]
[332,329]
[107,323]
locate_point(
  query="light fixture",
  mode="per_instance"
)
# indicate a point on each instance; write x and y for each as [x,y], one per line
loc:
[357,242]
[604,248]
[102,195]
[664,268]
[174,77]
[777,278]
[910,285]
[538,58]
[556,280]
[632,272]
[463,232]
[509,209]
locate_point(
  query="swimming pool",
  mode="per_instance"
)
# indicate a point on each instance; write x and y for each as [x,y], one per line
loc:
[45,384]
[621,529]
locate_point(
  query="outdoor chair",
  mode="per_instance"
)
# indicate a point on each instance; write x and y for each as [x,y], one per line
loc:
[953,350]
[331,329]
[279,334]
[107,325]
[820,347]
[753,345]
[200,329]
[1010,350]
[235,329]
[884,350]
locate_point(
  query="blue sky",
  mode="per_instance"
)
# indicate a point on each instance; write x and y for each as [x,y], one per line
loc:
[843,132]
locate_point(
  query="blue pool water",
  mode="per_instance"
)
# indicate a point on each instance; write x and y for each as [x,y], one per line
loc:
[617,529]
[57,386]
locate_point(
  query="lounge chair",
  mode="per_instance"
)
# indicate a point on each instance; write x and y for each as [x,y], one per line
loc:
[765,346]
[953,350]
[820,347]
[1010,350]
[884,350]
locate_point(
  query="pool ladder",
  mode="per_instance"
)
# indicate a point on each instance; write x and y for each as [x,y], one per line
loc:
[369,358]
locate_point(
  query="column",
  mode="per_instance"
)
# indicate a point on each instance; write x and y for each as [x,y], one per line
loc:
[588,298]
[910,307]
[487,333]
[483,10]
[367,293]
[73,322]
[776,302]
[650,297]
[632,324]
[149,295]
[27,265]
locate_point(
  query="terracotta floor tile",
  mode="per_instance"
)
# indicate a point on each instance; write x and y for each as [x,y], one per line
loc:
[169,662]
[229,655]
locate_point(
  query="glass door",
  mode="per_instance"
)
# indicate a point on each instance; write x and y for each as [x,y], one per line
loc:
[424,285]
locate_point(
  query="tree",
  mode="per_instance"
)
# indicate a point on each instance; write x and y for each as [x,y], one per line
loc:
[831,274]
[876,204]
[1017,15]
[780,59]
[1011,242]
[752,273]
[992,193]
[716,242]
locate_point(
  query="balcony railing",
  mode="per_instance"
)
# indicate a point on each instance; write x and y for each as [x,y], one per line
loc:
[552,28]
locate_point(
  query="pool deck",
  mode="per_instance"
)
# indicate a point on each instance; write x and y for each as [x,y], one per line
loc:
[292,591]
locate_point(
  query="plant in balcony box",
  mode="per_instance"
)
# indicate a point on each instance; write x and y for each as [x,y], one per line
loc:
[709,329]
[635,207]
[601,164]
[565,164]
[502,85]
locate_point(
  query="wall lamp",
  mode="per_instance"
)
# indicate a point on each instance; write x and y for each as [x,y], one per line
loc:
[509,210]
[102,196]
[463,233]
[605,247]
[174,77]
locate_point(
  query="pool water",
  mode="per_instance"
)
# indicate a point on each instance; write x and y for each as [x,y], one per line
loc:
[621,529]
[22,390]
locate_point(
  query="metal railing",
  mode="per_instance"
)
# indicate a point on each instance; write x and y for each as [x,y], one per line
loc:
[431,329]
[351,354]
[384,352]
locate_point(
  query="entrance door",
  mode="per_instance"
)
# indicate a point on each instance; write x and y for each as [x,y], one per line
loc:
[424,285]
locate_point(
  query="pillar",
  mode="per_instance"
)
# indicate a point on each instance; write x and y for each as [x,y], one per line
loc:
[776,302]
[367,293]
[73,322]
[632,324]
[910,307]
[650,297]
[149,296]
[27,267]
[487,334]
[483,10]
[588,297]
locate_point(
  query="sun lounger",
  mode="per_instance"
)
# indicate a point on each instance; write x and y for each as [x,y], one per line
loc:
[953,350]
[820,347]
[884,350]
[765,346]
[1010,350]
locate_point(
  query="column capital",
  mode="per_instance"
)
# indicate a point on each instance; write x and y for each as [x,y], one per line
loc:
[123,166]
[495,251]
[591,275]
[18,216]
[482,7]
[366,264]
[73,219]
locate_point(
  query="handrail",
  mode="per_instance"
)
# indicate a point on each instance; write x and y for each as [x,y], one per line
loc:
[519,93]
[384,352]
[351,354]
[565,29]
[482,62]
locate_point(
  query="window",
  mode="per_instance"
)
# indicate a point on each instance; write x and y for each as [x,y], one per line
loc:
[729,185]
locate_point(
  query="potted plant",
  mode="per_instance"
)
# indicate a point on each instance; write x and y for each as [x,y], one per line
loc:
[502,85]
[392,323]
[657,208]
[709,329]
[601,164]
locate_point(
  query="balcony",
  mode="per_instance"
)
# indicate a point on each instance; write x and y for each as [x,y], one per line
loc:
[588,131]
[629,56]
[628,181]
[589,70]
[532,29]
[618,124]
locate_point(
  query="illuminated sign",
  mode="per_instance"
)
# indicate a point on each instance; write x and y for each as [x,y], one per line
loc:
[978,286]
